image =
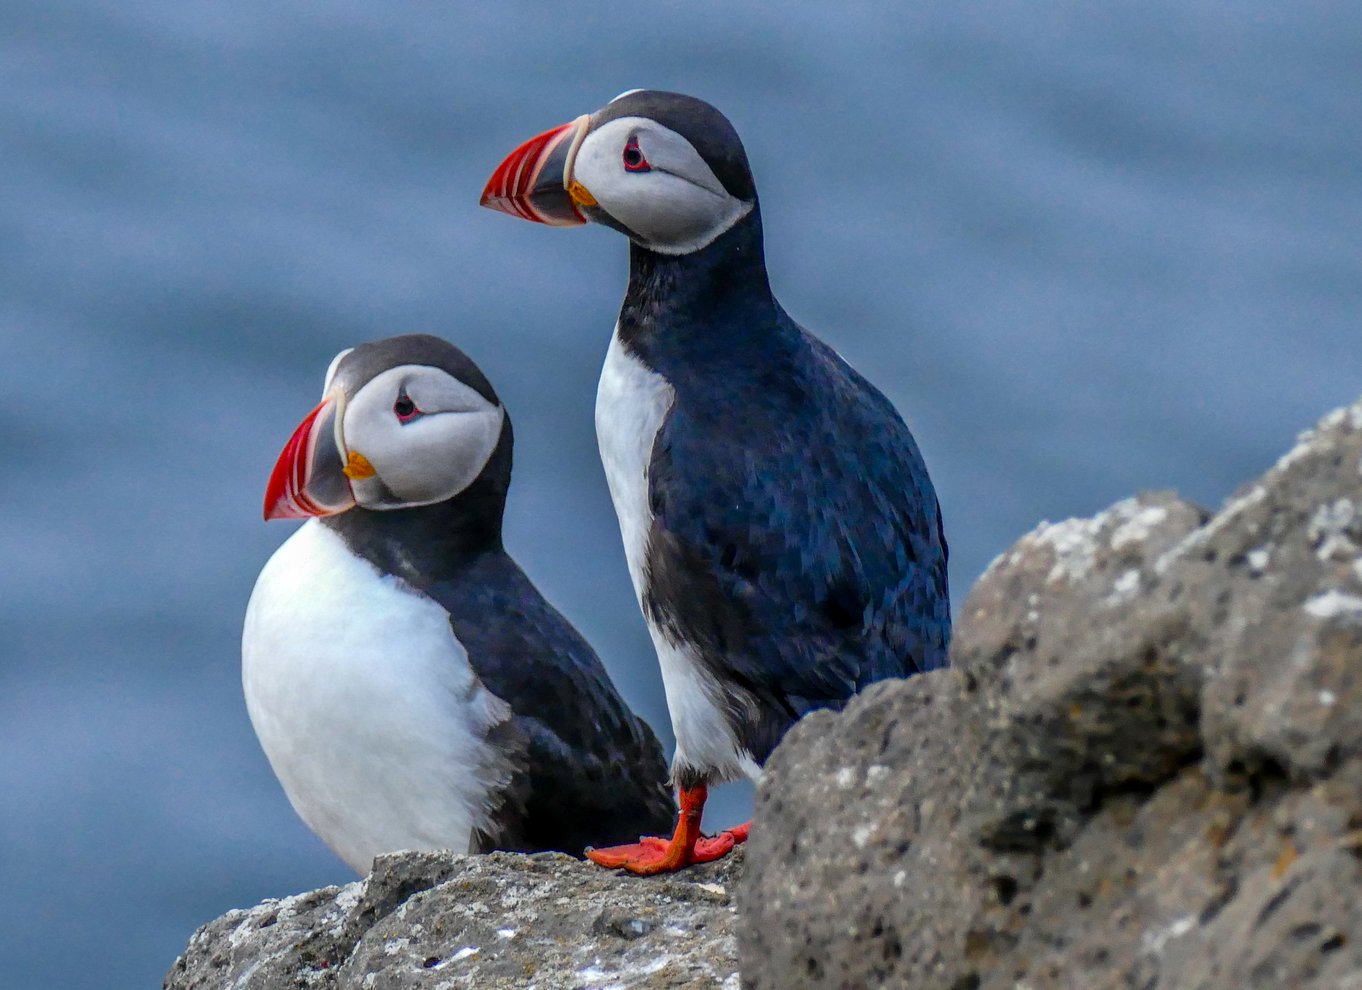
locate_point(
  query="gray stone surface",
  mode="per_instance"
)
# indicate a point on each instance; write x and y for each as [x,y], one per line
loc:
[431,920]
[1144,769]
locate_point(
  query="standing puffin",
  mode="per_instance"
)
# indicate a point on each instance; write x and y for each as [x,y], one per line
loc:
[410,686]
[781,531]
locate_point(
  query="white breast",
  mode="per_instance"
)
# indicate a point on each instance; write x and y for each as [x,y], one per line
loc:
[365,704]
[632,402]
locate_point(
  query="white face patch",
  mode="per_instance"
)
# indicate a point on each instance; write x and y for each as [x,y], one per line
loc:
[427,435]
[676,205]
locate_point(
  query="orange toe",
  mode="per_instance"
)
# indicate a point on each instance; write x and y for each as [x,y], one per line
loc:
[646,857]
[709,848]
[739,832]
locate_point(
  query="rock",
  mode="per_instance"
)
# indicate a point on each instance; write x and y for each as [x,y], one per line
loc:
[498,921]
[1076,685]
[1143,770]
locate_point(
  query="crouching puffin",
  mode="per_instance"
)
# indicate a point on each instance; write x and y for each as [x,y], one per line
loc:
[410,686]
[782,533]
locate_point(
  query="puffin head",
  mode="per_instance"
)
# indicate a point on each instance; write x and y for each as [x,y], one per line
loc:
[666,169]
[403,422]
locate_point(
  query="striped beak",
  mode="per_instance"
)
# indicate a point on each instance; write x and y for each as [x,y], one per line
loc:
[535,181]
[311,477]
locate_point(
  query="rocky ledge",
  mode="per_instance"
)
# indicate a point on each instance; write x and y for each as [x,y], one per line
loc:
[1143,770]
[437,920]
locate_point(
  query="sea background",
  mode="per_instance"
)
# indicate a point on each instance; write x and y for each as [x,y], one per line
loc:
[1087,249]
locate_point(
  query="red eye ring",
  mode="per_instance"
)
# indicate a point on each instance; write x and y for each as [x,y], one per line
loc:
[633,157]
[405,409]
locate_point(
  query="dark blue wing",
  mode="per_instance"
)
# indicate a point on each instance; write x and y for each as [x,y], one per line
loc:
[797,539]
[591,772]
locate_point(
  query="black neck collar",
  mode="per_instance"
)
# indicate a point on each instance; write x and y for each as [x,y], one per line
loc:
[686,291]
[431,543]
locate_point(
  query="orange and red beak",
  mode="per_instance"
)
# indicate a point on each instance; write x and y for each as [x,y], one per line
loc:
[309,479]
[535,181]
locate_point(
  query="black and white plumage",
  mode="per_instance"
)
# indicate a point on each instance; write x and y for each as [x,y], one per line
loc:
[410,686]
[782,532]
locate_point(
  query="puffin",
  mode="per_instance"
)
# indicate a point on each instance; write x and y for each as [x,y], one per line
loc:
[782,534]
[410,686]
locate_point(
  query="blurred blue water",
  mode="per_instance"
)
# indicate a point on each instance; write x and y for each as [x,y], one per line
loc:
[1086,250]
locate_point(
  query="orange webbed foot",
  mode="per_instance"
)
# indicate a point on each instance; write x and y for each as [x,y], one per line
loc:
[652,855]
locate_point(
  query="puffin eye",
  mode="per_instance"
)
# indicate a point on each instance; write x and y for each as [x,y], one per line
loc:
[633,157]
[404,409]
